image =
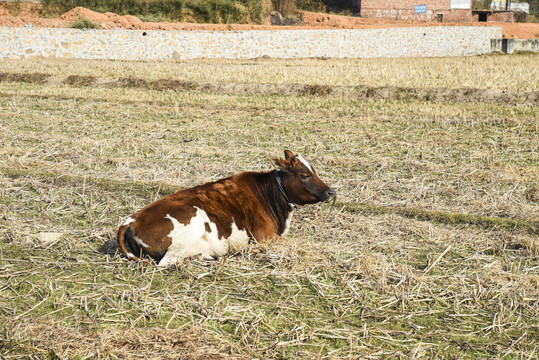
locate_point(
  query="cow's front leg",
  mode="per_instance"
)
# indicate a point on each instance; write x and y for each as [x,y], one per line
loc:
[265,234]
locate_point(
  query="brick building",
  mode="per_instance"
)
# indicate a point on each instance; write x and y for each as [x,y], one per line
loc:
[418,10]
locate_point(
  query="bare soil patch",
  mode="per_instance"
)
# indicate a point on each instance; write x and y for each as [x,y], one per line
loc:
[30,14]
[460,95]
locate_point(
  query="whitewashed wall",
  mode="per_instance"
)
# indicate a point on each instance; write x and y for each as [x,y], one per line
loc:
[21,42]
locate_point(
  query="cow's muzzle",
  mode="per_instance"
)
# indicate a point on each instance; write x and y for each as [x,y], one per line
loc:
[329,194]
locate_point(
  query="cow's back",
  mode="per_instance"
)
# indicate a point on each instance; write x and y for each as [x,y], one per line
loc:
[212,219]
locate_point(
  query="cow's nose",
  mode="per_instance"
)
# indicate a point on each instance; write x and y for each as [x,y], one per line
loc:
[330,193]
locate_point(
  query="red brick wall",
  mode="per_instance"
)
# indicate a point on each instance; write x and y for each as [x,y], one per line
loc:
[503,16]
[405,10]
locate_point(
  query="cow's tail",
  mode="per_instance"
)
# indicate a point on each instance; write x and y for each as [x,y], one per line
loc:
[122,245]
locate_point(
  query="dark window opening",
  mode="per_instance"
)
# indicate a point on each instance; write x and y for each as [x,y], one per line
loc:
[440,17]
[483,17]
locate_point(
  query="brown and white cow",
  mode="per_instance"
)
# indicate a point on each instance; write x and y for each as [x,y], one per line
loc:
[219,217]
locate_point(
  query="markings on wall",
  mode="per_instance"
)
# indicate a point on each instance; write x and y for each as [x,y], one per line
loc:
[428,15]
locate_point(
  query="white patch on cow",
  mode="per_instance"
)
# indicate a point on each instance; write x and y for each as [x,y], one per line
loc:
[128,221]
[300,158]
[193,239]
[238,239]
[287,224]
[139,241]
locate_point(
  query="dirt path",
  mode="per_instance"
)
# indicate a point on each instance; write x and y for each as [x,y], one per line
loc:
[29,15]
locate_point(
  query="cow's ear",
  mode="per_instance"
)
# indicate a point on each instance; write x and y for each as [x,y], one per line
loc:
[279,162]
[290,159]
[289,155]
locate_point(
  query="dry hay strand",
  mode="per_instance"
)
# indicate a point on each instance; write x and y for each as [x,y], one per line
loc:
[43,337]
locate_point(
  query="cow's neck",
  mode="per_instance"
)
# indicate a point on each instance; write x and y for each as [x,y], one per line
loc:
[280,186]
[273,200]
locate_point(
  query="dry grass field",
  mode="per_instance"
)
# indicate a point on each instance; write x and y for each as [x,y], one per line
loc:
[431,250]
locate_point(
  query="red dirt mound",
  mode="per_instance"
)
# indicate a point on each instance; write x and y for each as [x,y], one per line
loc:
[109,20]
[83,13]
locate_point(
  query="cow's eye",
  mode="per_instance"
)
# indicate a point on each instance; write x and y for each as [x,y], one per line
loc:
[305,177]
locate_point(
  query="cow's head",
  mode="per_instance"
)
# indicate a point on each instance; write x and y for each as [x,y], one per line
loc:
[300,181]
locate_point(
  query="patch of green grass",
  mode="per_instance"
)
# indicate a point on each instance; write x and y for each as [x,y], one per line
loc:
[85,24]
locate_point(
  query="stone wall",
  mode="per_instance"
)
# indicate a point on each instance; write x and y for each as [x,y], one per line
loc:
[511,45]
[149,45]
